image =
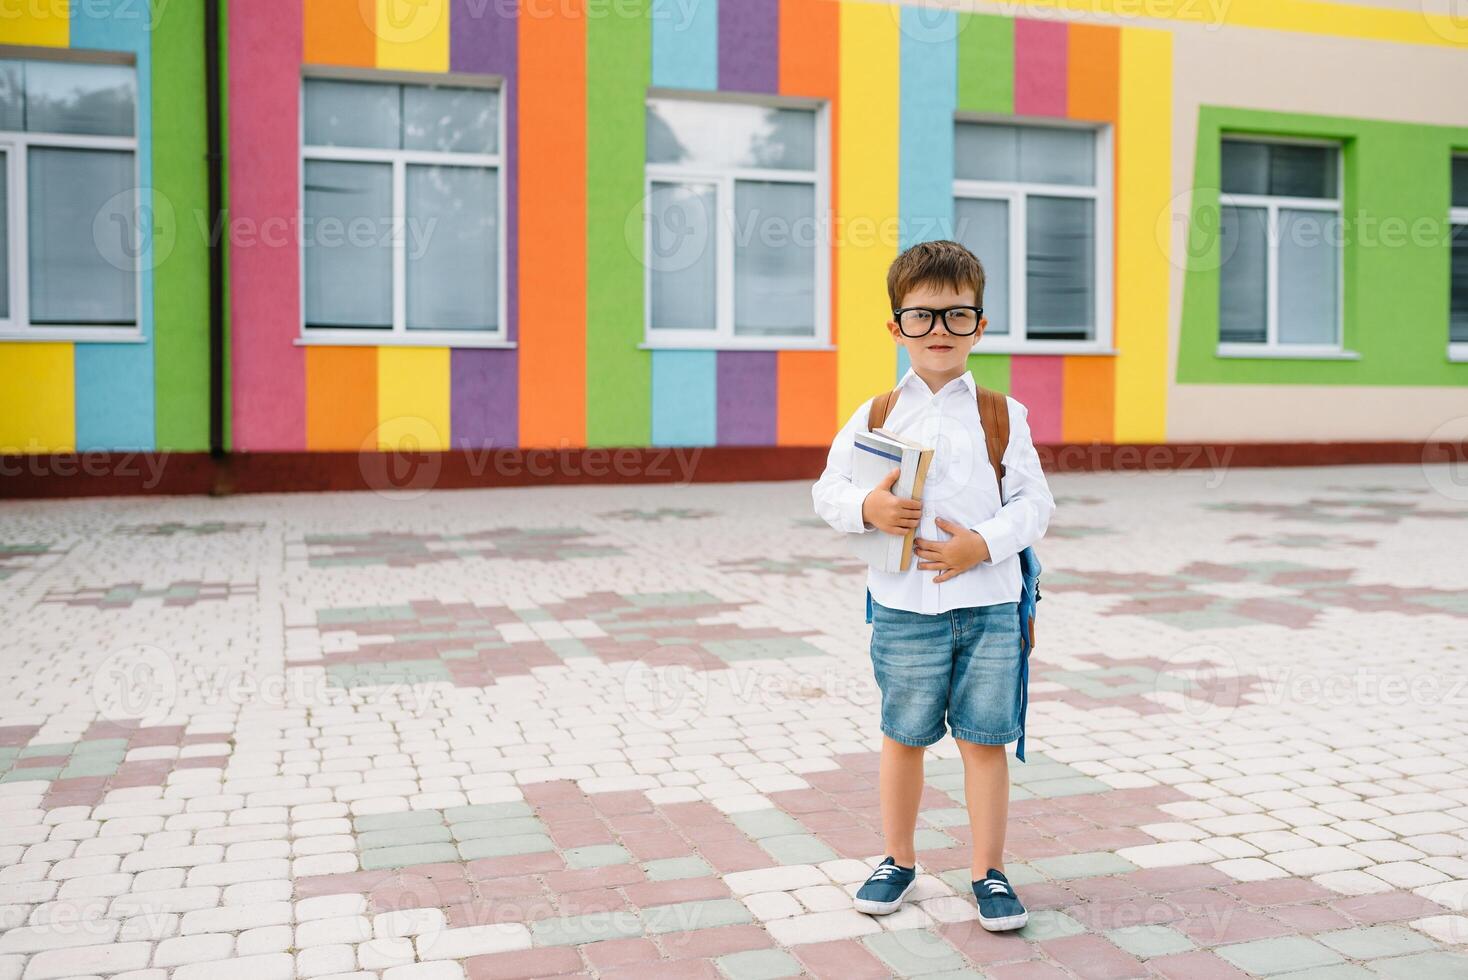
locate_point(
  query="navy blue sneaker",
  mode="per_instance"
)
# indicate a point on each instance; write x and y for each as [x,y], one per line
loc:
[885,888]
[999,907]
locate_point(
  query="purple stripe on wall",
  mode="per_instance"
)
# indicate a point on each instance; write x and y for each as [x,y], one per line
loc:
[749,45]
[484,387]
[747,397]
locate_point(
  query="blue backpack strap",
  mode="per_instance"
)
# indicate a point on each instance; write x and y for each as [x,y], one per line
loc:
[869,605]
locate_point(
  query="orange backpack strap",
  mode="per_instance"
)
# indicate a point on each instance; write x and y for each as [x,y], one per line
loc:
[994,416]
[881,408]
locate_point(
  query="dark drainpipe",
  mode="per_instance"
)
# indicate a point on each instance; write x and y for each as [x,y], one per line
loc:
[217,236]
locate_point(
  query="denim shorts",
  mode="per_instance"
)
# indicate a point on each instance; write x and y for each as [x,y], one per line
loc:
[965,662]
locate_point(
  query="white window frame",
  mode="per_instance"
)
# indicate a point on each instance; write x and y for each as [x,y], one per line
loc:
[400,335]
[722,337]
[1013,193]
[1271,346]
[1456,216]
[15,148]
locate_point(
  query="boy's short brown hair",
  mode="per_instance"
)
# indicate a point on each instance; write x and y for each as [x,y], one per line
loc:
[941,262]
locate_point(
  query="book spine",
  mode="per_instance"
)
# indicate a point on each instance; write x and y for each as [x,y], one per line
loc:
[920,475]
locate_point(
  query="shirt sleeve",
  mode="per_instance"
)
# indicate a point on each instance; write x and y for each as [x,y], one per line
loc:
[1028,504]
[837,500]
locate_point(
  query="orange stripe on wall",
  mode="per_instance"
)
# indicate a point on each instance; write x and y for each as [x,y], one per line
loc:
[552,328]
[341,397]
[1093,72]
[1088,401]
[806,380]
[340,32]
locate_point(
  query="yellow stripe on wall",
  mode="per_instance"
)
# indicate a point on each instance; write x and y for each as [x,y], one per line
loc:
[1143,270]
[37,398]
[413,34]
[34,22]
[1341,19]
[866,202]
[412,398]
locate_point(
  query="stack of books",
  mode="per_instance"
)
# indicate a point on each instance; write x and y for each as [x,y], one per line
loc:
[876,454]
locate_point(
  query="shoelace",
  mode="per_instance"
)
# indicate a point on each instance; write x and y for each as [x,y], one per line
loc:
[997,887]
[884,872]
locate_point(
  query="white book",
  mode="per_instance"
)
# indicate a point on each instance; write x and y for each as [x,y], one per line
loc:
[875,455]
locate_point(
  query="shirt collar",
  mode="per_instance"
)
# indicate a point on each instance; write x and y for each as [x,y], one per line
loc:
[911,378]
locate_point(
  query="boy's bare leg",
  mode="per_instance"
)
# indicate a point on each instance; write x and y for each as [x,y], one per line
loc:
[900,788]
[986,790]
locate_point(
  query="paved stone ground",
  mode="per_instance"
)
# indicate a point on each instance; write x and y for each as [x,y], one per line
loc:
[631,731]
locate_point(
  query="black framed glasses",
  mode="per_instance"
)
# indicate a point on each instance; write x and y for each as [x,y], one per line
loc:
[917,321]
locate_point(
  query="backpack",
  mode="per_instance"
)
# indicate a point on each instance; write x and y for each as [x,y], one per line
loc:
[994,417]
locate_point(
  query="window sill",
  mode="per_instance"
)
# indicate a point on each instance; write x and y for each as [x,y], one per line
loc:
[1261,352]
[368,338]
[1458,352]
[73,335]
[735,347]
[1033,347]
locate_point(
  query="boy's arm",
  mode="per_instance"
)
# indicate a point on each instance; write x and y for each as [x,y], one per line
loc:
[838,501]
[1025,515]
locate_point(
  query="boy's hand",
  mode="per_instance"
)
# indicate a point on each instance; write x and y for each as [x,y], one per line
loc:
[958,554]
[890,513]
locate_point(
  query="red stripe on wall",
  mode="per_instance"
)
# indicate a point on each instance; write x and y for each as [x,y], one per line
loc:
[1038,382]
[1039,67]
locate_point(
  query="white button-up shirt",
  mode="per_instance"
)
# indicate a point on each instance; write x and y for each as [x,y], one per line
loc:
[960,487]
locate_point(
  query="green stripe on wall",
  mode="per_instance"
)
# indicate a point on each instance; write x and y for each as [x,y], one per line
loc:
[180,188]
[1395,255]
[618,375]
[985,63]
[990,370]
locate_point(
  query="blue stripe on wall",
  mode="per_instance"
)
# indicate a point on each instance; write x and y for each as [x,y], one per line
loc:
[685,383]
[925,149]
[114,382]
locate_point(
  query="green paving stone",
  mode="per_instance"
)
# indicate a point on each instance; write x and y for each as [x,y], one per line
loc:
[687,916]
[1266,957]
[110,746]
[927,839]
[474,829]
[666,869]
[671,599]
[402,837]
[948,782]
[1341,971]
[933,767]
[592,927]
[500,846]
[388,673]
[457,654]
[798,849]
[33,773]
[597,855]
[1423,966]
[1373,942]
[395,821]
[50,748]
[532,615]
[1084,865]
[1066,787]
[759,964]
[951,816]
[94,767]
[1015,793]
[364,614]
[1034,772]
[570,647]
[1149,941]
[487,811]
[914,952]
[1046,924]
[401,857]
[766,823]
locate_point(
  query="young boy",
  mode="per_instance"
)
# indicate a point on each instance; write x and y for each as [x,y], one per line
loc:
[946,632]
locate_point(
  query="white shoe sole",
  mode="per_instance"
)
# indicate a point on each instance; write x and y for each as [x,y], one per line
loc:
[1004,923]
[883,908]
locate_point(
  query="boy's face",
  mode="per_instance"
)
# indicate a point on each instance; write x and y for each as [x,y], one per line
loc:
[939,351]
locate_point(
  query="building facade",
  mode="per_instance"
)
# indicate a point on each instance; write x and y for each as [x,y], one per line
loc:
[597,223]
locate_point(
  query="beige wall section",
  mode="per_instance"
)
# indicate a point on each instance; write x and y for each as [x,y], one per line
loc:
[1319,413]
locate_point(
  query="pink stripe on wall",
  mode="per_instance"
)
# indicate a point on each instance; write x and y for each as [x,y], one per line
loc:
[1039,67]
[267,369]
[1038,382]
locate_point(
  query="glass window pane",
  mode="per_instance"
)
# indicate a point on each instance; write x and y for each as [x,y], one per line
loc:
[1459,278]
[366,114]
[986,152]
[983,226]
[1301,171]
[1460,182]
[4,235]
[774,259]
[11,115]
[96,100]
[451,120]
[1060,264]
[1243,280]
[727,134]
[681,256]
[348,209]
[1245,167]
[1308,261]
[452,248]
[83,237]
[1057,156]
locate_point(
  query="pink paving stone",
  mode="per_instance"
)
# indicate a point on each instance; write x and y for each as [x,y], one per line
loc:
[1032,848]
[1093,958]
[708,833]
[1197,965]
[580,833]
[666,970]
[985,947]
[1047,895]
[818,820]
[716,941]
[857,842]
[619,952]
[524,964]
[552,791]
[42,761]
[1104,888]
[566,812]
[1104,915]
[1053,824]
[1310,918]
[1027,971]
[650,893]
[513,908]
[654,844]
[355,883]
[864,797]
[1279,891]
[1231,926]
[589,900]
[413,893]
[843,959]
[725,856]
[626,823]
[837,780]
[74,797]
[1107,840]
[515,864]
[1159,881]
[1386,907]
[512,885]
[693,814]
[944,858]
[579,878]
[800,801]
